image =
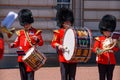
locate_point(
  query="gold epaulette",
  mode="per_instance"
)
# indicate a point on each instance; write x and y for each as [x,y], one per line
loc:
[97,38]
[56,31]
[38,31]
[18,32]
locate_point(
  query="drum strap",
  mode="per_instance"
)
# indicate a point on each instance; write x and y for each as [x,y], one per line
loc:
[28,38]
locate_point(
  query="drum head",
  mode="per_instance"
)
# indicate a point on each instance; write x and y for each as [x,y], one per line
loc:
[69,44]
[28,53]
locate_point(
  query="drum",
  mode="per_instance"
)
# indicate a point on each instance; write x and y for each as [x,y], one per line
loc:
[34,58]
[77,43]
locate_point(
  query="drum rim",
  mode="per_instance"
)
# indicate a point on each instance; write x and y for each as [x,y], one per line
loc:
[28,54]
[74,40]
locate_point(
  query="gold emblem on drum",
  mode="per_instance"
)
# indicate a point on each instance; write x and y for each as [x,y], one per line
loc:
[85,52]
[79,52]
[82,33]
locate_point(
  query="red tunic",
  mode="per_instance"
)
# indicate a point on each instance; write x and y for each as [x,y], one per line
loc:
[58,39]
[106,57]
[1,48]
[23,43]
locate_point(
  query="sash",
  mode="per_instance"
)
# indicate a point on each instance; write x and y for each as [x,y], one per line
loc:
[28,38]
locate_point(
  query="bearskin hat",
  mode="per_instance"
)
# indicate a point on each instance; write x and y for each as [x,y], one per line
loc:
[64,14]
[107,23]
[25,17]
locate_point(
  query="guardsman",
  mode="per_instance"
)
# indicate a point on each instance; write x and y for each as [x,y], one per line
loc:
[65,20]
[27,37]
[105,47]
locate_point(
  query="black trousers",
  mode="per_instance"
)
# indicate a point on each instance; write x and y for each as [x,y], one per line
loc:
[68,71]
[25,75]
[105,71]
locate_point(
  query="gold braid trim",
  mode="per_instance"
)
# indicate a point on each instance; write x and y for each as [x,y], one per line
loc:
[28,38]
[18,32]
[97,38]
[38,31]
[56,31]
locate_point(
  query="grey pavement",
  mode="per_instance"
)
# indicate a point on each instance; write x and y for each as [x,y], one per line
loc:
[89,72]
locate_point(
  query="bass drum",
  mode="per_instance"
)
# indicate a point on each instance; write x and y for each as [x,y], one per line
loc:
[77,43]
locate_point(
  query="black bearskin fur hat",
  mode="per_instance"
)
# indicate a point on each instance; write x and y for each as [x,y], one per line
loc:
[107,23]
[64,14]
[25,17]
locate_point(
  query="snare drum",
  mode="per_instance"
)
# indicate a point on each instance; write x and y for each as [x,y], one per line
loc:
[34,58]
[77,43]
